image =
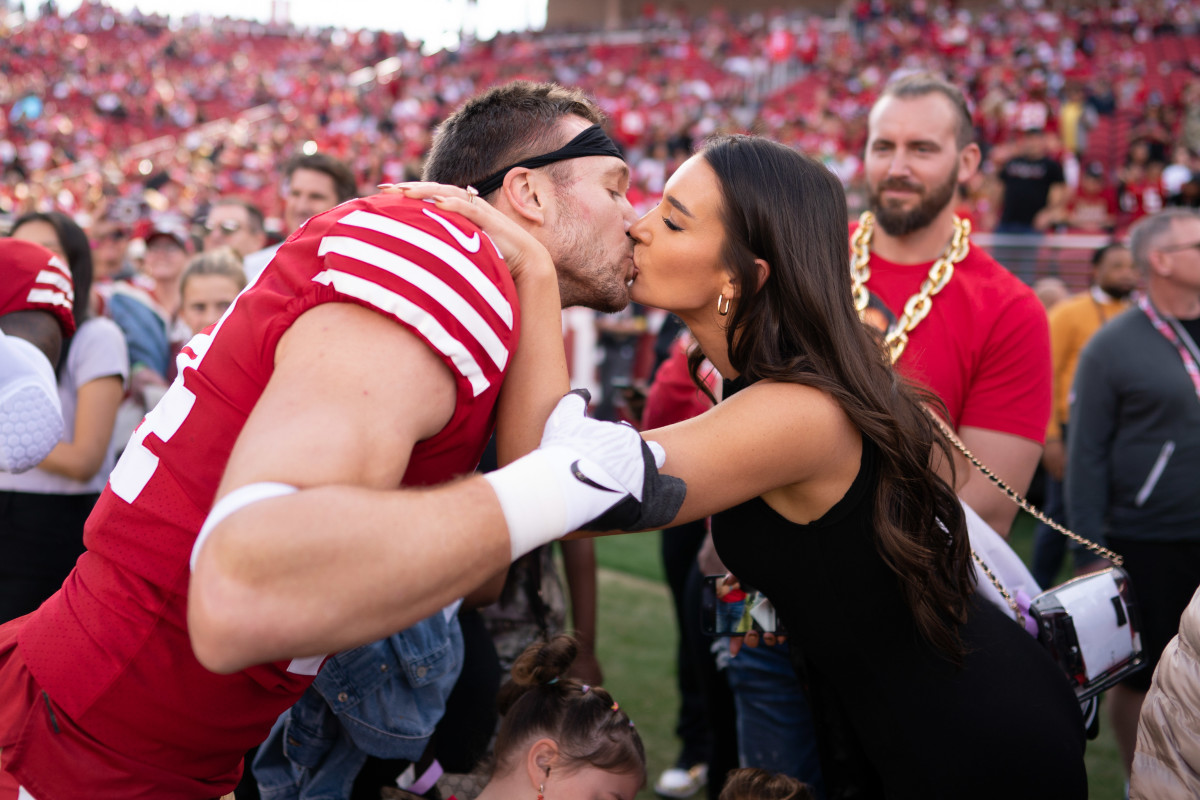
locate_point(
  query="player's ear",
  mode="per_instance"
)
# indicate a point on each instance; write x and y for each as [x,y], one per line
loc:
[523,191]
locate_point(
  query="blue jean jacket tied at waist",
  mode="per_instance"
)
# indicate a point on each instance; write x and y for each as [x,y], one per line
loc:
[383,699]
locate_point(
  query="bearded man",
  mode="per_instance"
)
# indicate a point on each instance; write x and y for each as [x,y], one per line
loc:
[984,346]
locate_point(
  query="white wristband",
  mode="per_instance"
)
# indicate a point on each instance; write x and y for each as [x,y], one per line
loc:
[534,509]
[237,499]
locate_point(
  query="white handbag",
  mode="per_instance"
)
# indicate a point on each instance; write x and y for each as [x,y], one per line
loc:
[1089,625]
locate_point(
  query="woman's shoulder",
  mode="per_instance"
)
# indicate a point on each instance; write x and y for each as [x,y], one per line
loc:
[787,410]
[788,396]
[99,344]
[99,332]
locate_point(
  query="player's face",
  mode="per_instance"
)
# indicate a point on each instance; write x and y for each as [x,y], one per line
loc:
[1116,273]
[587,240]
[679,245]
[308,193]
[230,226]
[205,298]
[913,164]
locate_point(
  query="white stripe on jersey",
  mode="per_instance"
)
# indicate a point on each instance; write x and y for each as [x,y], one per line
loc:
[56,279]
[427,282]
[60,265]
[439,249]
[420,319]
[50,297]
[309,665]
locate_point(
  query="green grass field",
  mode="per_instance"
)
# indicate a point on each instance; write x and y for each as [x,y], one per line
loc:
[636,645]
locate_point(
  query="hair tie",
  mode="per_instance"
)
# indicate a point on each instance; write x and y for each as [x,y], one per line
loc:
[615,705]
[552,681]
[584,689]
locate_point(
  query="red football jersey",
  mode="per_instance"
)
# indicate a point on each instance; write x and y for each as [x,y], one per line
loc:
[34,279]
[111,647]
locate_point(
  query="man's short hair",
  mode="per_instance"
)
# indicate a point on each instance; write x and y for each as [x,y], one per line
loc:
[253,213]
[920,84]
[502,126]
[343,178]
[1147,233]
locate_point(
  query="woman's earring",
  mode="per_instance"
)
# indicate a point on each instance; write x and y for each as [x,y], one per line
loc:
[723,304]
[541,790]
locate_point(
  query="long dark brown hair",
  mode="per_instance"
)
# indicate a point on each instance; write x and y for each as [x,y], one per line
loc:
[800,326]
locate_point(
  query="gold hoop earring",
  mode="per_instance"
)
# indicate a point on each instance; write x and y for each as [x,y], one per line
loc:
[723,310]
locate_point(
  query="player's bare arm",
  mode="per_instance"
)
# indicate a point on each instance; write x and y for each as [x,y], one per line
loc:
[347,559]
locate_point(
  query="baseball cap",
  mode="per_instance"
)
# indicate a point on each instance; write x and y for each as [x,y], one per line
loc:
[1095,169]
[168,227]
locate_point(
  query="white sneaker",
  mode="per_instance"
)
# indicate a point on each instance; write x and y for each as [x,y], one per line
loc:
[676,782]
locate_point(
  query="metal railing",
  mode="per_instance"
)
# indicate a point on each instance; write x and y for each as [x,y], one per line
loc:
[1053,255]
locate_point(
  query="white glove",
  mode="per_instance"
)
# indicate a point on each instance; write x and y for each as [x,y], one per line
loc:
[582,468]
[30,413]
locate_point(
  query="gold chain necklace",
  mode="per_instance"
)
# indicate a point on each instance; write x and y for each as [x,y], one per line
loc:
[919,305]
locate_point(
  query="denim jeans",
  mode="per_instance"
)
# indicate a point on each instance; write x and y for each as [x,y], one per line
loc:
[774,724]
[383,699]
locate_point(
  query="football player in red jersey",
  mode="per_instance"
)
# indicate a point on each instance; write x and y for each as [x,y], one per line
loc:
[295,492]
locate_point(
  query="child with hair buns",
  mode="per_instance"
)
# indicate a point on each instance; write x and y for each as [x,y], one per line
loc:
[752,783]
[560,739]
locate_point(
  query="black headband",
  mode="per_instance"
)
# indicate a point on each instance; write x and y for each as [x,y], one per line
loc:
[591,141]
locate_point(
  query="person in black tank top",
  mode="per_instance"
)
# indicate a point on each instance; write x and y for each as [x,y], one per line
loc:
[832,493]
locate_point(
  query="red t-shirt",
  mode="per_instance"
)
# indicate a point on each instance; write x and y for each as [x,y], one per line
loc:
[984,348]
[111,648]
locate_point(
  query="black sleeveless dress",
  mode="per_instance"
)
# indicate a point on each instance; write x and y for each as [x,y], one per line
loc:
[894,719]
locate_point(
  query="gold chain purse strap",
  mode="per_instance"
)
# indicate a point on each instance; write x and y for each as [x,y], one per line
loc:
[1021,502]
[919,305]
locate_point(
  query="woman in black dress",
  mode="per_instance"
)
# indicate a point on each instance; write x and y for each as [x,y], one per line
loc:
[832,490]
[822,471]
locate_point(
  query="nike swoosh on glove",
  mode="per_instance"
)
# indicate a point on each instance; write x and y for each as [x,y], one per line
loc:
[662,497]
[582,468]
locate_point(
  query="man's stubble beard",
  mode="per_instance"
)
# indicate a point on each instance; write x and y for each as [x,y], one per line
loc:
[903,222]
[585,275]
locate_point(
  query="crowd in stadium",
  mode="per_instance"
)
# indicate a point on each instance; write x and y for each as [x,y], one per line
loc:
[81,90]
[151,168]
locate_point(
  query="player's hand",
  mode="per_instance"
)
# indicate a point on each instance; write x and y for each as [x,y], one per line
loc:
[525,256]
[617,449]
[582,469]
